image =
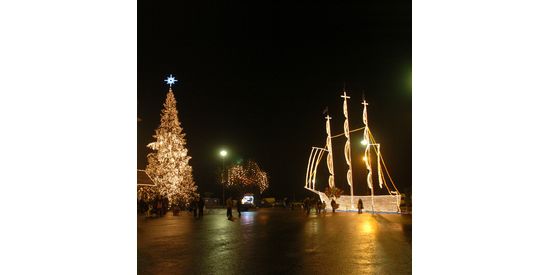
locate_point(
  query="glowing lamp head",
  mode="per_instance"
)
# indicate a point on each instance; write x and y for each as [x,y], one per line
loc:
[223,153]
[364,142]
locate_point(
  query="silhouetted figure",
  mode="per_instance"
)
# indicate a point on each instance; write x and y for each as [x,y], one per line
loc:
[150,209]
[201,207]
[307,205]
[164,205]
[175,208]
[158,207]
[229,205]
[333,205]
[239,206]
[360,206]
[141,207]
[324,206]
[195,206]
[316,205]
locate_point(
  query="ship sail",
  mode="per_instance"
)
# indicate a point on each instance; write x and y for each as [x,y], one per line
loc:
[330,164]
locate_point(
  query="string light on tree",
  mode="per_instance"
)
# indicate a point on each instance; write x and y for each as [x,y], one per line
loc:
[248,177]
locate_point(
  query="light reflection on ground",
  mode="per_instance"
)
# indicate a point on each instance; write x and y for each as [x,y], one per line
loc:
[275,241]
[368,226]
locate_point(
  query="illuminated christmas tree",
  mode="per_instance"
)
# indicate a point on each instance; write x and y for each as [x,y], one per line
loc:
[168,165]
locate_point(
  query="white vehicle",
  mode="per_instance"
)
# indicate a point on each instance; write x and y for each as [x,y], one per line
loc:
[248,199]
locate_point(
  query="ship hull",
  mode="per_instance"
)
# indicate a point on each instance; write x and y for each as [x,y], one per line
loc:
[377,203]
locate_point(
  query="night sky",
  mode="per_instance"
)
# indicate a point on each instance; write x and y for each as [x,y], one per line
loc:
[255,79]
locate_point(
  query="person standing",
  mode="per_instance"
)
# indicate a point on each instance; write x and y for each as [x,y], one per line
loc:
[360,206]
[307,205]
[333,205]
[195,206]
[239,205]
[229,205]
[201,207]
[159,206]
[318,207]
[165,203]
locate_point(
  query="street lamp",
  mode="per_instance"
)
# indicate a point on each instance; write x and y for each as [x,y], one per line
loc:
[364,142]
[223,154]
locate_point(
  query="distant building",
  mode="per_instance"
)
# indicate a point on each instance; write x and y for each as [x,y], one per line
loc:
[211,202]
[143,179]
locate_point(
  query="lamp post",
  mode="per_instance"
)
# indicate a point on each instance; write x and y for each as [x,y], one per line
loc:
[223,154]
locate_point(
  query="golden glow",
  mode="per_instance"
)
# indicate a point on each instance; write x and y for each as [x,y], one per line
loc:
[223,153]
[369,226]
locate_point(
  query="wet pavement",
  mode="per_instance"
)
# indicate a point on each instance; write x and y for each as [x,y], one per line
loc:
[275,241]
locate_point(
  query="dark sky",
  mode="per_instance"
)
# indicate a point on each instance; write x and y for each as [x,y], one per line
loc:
[255,79]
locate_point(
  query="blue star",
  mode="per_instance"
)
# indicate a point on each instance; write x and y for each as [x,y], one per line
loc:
[171,80]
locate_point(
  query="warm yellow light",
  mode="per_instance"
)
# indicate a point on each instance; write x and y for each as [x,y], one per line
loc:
[364,142]
[223,153]
[364,158]
[368,226]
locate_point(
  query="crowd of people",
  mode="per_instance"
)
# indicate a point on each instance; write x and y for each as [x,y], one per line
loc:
[159,206]
[229,206]
[320,206]
[198,207]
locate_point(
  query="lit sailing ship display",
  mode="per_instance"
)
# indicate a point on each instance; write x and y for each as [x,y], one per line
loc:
[388,202]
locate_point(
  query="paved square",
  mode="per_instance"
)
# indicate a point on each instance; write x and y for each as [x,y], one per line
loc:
[275,241]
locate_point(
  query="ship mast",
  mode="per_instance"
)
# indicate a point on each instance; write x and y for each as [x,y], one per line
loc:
[366,157]
[347,148]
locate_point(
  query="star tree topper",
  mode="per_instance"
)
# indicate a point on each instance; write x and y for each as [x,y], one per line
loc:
[170,80]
